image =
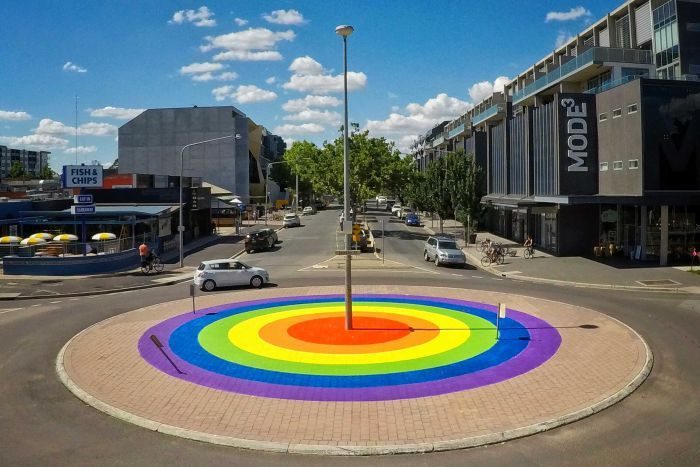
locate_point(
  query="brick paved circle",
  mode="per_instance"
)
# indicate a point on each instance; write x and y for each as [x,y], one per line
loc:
[597,362]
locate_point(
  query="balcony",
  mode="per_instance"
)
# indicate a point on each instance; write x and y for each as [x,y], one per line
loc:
[597,55]
[492,111]
[462,128]
[438,141]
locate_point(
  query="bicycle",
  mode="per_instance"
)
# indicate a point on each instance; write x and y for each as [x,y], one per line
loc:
[495,257]
[529,252]
[154,264]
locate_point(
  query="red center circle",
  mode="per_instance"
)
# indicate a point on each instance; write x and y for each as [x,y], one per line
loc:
[366,330]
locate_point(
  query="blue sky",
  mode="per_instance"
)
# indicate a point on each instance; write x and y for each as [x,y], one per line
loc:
[412,63]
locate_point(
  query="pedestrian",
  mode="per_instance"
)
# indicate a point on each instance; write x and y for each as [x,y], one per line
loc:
[213,227]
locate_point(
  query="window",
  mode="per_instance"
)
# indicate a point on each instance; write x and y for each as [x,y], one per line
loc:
[633,164]
[617,165]
[617,113]
[602,117]
[632,109]
[603,166]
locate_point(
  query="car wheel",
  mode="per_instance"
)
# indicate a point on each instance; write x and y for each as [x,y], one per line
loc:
[257,282]
[209,285]
[425,256]
[437,261]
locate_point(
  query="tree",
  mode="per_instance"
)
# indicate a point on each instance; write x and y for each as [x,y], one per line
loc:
[16,170]
[46,173]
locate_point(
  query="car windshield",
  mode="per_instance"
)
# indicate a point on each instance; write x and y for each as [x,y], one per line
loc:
[201,267]
[448,245]
[289,216]
[243,265]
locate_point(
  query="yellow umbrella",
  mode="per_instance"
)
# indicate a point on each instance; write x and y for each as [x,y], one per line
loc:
[104,236]
[32,241]
[65,238]
[10,239]
[42,235]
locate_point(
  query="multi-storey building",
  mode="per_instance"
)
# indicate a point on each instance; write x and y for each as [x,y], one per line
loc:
[32,161]
[599,141]
[150,145]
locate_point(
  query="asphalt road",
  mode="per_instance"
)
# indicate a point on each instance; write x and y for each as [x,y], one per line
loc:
[41,423]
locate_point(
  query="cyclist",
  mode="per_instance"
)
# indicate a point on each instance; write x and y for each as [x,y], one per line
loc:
[146,255]
[528,244]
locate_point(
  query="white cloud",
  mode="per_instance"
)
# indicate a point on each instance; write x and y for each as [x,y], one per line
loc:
[248,56]
[308,77]
[562,38]
[81,150]
[226,76]
[298,130]
[574,13]
[271,80]
[247,94]
[297,105]
[253,44]
[417,119]
[324,117]
[55,128]
[394,108]
[240,21]
[41,142]
[203,17]
[119,113]
[196,68]
[285,17]
[221,93]
[482,90]
[70,66]
[14,116]
[306,66]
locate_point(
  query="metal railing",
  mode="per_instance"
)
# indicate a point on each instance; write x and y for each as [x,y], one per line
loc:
[490,112]
[594,54]
[67,249]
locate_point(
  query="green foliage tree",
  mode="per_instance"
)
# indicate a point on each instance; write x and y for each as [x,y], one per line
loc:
[16,170]
[46,173]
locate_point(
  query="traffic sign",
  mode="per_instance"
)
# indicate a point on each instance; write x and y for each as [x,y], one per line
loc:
[82,209]
[82,199]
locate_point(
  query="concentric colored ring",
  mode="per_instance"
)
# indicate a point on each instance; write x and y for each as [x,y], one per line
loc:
[248,347]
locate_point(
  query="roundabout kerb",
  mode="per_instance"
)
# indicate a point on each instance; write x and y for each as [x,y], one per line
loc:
[421,370]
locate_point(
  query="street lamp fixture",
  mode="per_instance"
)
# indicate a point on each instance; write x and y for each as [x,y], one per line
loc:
[181,226]
[344,31]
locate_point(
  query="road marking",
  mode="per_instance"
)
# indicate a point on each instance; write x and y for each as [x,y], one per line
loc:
[179,277]
[36,304]
[56,301]
[496,278]
[478,277]
[74,299]
[7,310]
[455,274]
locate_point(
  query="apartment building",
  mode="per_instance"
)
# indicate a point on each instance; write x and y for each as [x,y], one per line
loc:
[150,145]
[598,143]
[32,161]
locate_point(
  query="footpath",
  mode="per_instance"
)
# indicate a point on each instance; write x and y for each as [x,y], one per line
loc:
[224,243]
[606,273]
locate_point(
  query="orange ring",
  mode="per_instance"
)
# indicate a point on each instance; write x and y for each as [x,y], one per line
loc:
[276,334]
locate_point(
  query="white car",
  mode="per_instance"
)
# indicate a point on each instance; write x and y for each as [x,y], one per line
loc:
[308,210]
[381,199]
[291,220]
[227,272]
[404,212]
[396,209]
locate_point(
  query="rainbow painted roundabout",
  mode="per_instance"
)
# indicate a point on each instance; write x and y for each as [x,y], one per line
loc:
[421,369]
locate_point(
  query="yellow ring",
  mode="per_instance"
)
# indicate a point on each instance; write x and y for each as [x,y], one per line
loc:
[245,336]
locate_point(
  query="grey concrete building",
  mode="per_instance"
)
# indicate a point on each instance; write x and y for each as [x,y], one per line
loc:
[31,161]
[150,145]
[598,143]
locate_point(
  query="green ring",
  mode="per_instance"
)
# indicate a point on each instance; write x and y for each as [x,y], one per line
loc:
[214,339]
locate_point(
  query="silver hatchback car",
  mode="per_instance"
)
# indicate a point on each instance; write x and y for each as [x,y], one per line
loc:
[443,250]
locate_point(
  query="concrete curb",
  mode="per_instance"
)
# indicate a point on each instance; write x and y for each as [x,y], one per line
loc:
[328,450]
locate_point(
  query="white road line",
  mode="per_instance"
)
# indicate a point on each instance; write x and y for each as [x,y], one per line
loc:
[74,299]
[7,310]
[36,304]
[496,279]
[455,274]
[478,277]
[56,301]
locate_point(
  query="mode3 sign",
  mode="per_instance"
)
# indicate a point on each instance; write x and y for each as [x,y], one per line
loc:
[576,134]
[78,176]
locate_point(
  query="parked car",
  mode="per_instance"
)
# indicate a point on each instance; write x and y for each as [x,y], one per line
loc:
[381,199]
[404,212]
[412,219]
[291,220]
[226,272]
[263,239]
[443,250]
[396,209]
[308,210]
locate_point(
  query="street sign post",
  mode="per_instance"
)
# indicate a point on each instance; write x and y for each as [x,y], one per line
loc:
[82,209]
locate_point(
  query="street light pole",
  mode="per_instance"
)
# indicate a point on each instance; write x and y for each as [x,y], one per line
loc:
[345,31]
[181,226]
[267,177]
